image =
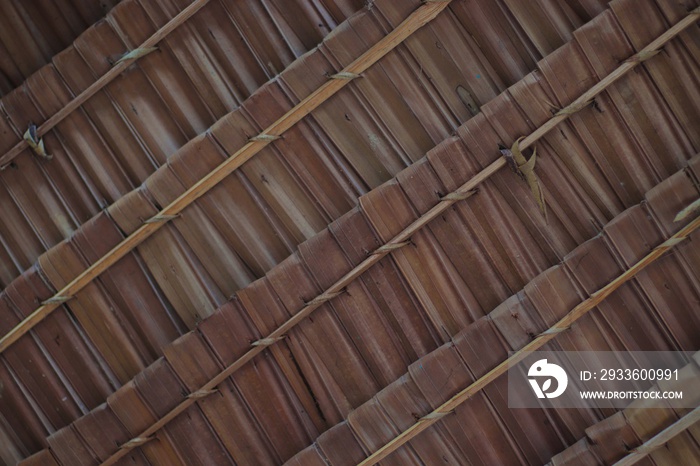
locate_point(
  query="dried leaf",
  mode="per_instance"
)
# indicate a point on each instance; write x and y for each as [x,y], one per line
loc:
[35,142]
[518,156]
[530,164]
[136,54]
[685,213]
[527,169]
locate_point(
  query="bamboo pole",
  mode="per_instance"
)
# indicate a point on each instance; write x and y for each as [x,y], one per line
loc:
[466,190]
[576,313]
[660,439]
[423,15]
[105,79]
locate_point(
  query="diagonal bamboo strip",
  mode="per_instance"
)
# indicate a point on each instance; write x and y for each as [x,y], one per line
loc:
[661,438]
[105,79]
[463,192]
[576,313]
[416,20]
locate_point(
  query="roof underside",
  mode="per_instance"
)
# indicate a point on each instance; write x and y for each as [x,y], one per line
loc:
[286,234]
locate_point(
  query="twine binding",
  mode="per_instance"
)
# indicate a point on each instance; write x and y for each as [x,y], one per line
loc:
[56,300]
[322,298]
[267,341]
[161,218]
[554,330]
[390,247]
[459,196]
[644,55]
[135,442]
[201,394]
[265,138]
[573,108]
[136,54]
[344,75]
[436,415]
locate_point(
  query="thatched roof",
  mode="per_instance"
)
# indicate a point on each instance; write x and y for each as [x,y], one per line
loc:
[31,33]
[288,233]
